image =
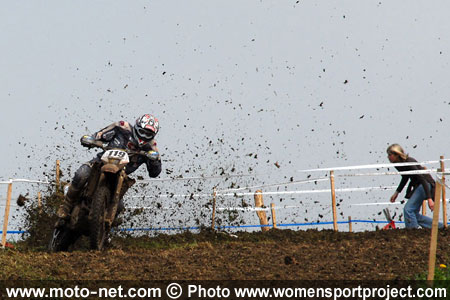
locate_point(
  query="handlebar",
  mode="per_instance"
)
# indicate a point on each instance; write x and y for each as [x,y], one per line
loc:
[90,142]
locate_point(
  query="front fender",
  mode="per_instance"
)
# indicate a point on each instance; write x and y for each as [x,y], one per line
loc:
[110,168]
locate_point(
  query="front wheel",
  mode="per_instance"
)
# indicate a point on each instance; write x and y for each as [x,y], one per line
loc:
[98,230]
[61,239]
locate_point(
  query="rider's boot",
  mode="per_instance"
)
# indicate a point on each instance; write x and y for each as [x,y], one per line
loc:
[65,208]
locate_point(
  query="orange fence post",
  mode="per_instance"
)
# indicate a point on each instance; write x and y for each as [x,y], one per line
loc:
[349,224]
[57,174]
[274,217]
[5,218]
[434,231]
[214,210]
[444,202]
[259,203]
[333,201]
[39,202]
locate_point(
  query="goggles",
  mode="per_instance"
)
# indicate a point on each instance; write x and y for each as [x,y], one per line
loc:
[145,134]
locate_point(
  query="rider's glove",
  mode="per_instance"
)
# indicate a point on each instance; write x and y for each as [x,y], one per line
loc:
[153,155]
[89,141]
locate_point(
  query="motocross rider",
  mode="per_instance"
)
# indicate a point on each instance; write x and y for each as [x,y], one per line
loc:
[137,137]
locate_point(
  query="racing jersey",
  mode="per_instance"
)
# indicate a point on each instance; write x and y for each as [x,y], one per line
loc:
[120,135]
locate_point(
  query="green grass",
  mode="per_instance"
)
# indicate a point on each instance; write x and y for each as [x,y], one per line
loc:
[440,273]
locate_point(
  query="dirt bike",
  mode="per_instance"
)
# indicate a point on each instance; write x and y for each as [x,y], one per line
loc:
[100,200]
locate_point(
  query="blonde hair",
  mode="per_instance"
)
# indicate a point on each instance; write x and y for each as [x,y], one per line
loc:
[397,149]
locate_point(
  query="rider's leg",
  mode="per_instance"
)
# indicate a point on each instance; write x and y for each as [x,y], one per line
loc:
[78,181]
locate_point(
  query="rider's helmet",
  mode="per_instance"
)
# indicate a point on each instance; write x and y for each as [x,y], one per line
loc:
[145,129]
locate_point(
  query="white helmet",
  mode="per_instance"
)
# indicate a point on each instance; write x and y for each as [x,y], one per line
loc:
[146,127]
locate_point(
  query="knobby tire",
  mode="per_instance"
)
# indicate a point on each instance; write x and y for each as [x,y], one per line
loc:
[98,232]
[61,239]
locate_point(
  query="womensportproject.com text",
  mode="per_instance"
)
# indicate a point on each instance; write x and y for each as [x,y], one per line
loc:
[176,291]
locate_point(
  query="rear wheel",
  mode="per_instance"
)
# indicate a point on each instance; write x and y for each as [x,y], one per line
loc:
[98,230]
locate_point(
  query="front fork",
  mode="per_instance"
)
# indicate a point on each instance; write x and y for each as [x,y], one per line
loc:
[112,208]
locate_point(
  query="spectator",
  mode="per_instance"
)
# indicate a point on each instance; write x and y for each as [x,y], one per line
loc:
[421,187]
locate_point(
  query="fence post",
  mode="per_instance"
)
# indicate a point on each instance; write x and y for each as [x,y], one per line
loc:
[424,207]
[5,218]
[434,232]
[39,202]
[333,201]
[349,224]
[57,174]
[274,217]
[214,210]
[261,214]
[444,202]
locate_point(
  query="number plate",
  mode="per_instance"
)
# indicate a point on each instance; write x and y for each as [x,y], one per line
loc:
[116,154]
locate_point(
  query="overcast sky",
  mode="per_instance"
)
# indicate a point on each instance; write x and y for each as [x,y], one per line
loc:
[303,83]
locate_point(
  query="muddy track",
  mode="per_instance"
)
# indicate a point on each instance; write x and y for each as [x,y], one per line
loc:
[278,254]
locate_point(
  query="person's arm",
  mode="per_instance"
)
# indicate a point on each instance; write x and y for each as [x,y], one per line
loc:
[154,168]
[426,188]
[406,177]
[424,183]
[107,134]
[430,204]
[420,178]
[394,196]
[400,186]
